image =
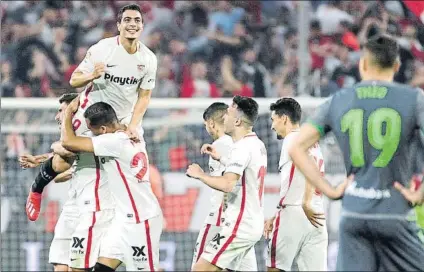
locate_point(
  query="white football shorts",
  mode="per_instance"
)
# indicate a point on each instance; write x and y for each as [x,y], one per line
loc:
[295,242]
[86,240]
[209,232]
[136,245]
[63,231]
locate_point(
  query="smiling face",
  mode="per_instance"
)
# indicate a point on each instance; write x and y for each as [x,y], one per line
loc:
[131,24]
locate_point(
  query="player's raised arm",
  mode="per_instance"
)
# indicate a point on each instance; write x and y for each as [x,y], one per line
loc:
[69,140]
[89,69]
[309,134]
[144,93]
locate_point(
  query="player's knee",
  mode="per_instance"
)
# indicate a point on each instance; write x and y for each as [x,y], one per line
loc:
[103,268]
[59,164]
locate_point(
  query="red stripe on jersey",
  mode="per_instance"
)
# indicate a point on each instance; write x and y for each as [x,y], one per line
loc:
[274,240]
[97,184]
[203,242]
[89,242]
[293,167]
[218,220]
[236,226]
[137,218]
[149,245]
[87,91]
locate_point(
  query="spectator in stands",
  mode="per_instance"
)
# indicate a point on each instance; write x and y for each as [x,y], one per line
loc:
[330,15]
[231,85]
[255,73]
[7,85]
[196,84]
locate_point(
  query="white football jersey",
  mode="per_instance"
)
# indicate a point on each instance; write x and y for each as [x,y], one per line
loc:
[244,212]
[125,73]
[89,184]
[223,146]
[292,180]
[127,168]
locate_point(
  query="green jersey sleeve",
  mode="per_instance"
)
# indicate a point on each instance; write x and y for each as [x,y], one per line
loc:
[320,119]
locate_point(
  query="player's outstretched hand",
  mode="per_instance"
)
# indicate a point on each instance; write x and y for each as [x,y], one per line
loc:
[416,197]
[341,188]
[269,225]
[28,161]
[194,171]
[208,149]
[99,69]
[312,216]
[132,133]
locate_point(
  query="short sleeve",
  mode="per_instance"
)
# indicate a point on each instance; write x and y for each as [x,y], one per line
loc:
[420,110]
[238,160]
[149,80]
[93,56]
[320,119]
[108,145]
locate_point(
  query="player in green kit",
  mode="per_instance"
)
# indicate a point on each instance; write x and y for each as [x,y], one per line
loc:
[374,122]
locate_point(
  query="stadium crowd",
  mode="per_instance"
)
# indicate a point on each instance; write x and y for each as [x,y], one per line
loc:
[206,48]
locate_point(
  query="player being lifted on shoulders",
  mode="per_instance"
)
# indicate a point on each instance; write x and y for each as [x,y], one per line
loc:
[214,123]
[243,181]
[298,233]
[134,234]
[120,71]
[373,122]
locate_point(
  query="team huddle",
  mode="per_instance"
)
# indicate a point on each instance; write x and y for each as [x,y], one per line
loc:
[112,216]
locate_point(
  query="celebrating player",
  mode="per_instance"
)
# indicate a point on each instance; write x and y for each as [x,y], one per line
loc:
[120,71]
[298,232]
[243,181]
[65,226]
[214,123]
[373,122]
[133,237]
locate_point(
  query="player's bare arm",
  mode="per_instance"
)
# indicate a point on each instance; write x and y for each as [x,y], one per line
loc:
[313,217]
[80,79]
[63,177]
[138,114]
[308,136]
[223,183]
[69,139]
[61,151]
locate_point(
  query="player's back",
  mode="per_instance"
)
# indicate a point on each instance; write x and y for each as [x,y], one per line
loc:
[127,167]
[374,122]
[293,182]
[245,202]
[124,74]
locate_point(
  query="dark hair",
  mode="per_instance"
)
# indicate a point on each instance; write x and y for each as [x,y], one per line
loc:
[67,98]
[100,114]
[315,24]
[128,7]
[384,49]
[215,111]
[248,106]
[287,106]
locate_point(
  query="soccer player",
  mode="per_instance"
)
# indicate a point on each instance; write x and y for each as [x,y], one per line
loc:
[298,233]
[243,182]
[65,226]
[214,123]
[120,71]
[133,237]
[373,122]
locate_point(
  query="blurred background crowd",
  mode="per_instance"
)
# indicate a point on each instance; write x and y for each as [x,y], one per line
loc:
[207,48]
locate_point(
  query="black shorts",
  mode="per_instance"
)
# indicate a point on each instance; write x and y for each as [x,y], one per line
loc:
[380,245]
